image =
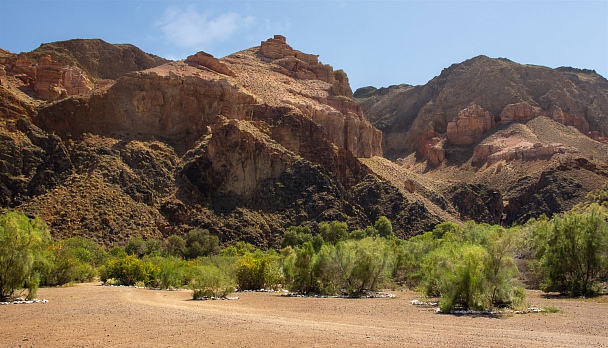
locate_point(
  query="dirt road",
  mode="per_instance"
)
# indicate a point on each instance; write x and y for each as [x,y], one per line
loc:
[98,316]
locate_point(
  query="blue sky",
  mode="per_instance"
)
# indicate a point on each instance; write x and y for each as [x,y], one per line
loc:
[377,43]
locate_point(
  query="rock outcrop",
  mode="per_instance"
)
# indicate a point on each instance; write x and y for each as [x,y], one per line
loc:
[98,59]
[519,112]
[469,126]
[280,76]
[523,151]
[205,60]
[48,80]
[433,148]
[176,102]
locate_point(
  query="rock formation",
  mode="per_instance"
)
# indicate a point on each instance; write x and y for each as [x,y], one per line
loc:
[270,137]
[512,92]
[235,145]
[519,112]
[48,80]
[206,60]
[469,126]
[493,122]
[278,75]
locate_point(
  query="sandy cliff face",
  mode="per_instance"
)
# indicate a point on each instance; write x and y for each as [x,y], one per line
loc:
[278,75]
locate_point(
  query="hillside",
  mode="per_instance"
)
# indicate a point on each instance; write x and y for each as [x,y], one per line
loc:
[109,142]
[244,146]
[534,136]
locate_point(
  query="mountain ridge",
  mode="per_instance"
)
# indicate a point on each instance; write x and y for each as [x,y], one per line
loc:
[270,137]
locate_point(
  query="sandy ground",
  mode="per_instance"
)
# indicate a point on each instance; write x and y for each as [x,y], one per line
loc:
[94,315]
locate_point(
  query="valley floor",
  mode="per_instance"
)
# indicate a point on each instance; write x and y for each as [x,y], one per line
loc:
[100,316]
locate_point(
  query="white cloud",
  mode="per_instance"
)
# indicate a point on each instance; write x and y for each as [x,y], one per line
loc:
[189,28]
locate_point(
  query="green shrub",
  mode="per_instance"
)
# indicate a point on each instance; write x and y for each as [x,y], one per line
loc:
[23,255]
[572,249]
[304,279]
[136,246]
[176,246]
[258,270]
[409,257]
[384,227]
[201,243]
[210,281]
[296,236]
[333,232]
[171,272]
[129,270]
[73,260]
[371,261]
[471,268]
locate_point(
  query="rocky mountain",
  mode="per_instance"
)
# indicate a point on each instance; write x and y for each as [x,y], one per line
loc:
[534,136]
[244,146]
[109,142]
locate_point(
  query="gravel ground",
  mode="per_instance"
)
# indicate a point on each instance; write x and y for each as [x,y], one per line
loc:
[98,316]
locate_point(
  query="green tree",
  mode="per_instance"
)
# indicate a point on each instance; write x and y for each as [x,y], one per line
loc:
[136,246]
[176,246]
[304,277]
[296,236]
[22,253]
[410,255]
[371,260]
[331,267]
[573,250]
[471,267]
[333,232]
[201,243]
[384,227]
[258,270]
[73,260]
[455,274]
[210,281]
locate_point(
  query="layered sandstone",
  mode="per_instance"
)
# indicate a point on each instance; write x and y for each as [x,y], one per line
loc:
[175,101]
[519,112]
[433,148]
[205,60]
[510,91]
[522,151]
[469,126]
[50,80]
[280,76]
[577,121]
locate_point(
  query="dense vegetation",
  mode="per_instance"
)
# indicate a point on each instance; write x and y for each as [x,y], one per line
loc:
[470,266]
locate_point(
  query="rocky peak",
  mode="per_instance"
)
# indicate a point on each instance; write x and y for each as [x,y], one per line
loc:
[280,76]
[303,66]
[509,91]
